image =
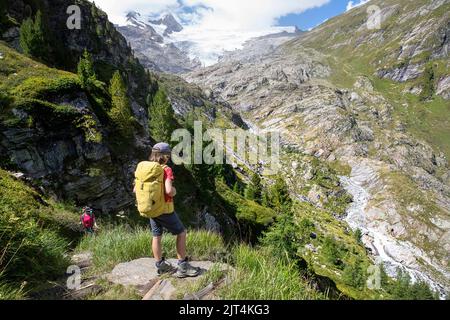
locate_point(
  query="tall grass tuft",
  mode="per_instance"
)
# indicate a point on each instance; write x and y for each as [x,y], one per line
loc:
[10,292]
[261,276]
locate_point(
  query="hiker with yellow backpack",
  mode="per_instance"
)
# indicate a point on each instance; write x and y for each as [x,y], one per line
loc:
[154,194]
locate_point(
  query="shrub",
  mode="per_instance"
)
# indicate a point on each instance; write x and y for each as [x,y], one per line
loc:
[402,288]
[89,127]
[358,235]
[428,82]
[50,114]
[254,188]
[283,236]
[45,88]
[279,194]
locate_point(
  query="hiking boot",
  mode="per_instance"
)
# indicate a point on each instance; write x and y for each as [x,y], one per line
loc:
[185,269]
[164,267]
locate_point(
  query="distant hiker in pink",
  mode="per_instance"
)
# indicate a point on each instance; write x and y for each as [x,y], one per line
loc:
[87,220]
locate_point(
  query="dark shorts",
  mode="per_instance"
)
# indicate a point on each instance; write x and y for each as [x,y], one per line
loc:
[171,222]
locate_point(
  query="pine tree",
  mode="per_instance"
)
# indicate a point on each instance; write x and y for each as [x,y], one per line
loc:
[236,188]
[161,114]
[85,69]
[428,83]
[279,194]
[120,112]
[265,200]
[254,188]
[354,275]
[32,37]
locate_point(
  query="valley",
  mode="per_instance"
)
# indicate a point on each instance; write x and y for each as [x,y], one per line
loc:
[364,176]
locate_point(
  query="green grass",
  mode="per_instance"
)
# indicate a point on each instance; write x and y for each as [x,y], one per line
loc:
[261,275]
[119,244]
[33,234]
[10,292]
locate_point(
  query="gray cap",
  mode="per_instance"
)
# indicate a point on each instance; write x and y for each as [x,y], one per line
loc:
[162,147]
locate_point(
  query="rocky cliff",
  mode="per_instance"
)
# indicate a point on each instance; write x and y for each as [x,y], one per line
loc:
[54,130]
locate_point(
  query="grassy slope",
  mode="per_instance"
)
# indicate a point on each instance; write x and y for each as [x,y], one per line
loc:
[35,235]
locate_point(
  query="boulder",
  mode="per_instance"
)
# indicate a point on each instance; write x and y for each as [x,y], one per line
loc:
[142,271]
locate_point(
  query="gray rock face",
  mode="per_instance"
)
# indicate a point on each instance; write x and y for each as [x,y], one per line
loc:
[58,151]
[443,88]
[152,48]
[82,260]
[69,165]
[402,74]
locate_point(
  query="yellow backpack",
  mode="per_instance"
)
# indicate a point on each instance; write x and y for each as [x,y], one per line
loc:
[149,178]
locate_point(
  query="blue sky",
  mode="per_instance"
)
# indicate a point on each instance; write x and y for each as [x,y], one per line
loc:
[315,16]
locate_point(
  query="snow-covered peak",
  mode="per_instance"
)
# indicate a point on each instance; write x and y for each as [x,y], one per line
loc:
[169,21]
[134,18]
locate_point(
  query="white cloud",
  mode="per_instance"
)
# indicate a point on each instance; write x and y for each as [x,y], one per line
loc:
[351,5]
[222,14]
[214,25]
[117,9]
[249,14]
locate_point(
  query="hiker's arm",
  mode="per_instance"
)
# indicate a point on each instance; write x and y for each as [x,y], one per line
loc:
[170,189]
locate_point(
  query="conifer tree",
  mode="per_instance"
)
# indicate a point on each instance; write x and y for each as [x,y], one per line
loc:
[120,112]
[85,69]
[253,190]
[236,188]
[161,115]
[279,194]
[32,37]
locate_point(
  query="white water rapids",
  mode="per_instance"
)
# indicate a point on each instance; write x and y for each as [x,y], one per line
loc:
[385,249]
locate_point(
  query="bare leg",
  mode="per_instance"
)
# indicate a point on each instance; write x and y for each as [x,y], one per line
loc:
[181,246]
[156,247]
